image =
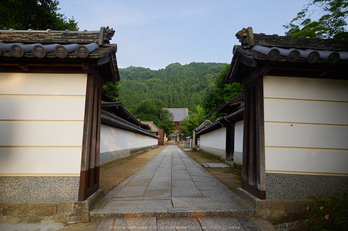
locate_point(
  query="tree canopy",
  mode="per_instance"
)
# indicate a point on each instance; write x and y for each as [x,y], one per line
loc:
[152,110]
[110,91]
[220,94]
[192,121]
[178,86]
[331,23]
[34,14]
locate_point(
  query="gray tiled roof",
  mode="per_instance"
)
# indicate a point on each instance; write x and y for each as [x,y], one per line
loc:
[153,126]
[291,49]
[56,44]
[287,55]
[118,109]
[31,50]
[222,122]
[113,120]
[179,113]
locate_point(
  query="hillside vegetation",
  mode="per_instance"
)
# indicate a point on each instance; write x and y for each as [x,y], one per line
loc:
[178,86]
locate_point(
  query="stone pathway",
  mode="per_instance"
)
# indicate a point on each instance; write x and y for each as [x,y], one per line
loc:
[172,192]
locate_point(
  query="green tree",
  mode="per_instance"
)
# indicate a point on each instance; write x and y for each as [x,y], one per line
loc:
[192,121]
[149,110]
[110,91]
[34,14]
[219,95]
[176,85]
[166,122]
[152,110]
[331,23]
[183,126]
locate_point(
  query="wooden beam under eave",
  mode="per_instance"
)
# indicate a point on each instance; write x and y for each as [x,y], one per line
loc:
[24,68]
[248,61]
[308,73]
[41,69]
[260,71]
[98,78]
[104,60]
[232,72]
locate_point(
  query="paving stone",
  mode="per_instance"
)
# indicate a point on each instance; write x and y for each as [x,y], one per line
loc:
[182,183]
[144,176]
[185,192]
[204,202]
[106,224]
[161,179]
[180,171]
[247,224]
[162,174]
[197,172]
[215,193]
[178,224]
[175,167]
[172,185]
[131,191]
[220,223]
[165,168]
[135,223]
[206,185]
[185,212]
[118,206]
[181,176]
[202,179]
[139,182]
[52,226]
[205,165]
[158,192]
[160,185]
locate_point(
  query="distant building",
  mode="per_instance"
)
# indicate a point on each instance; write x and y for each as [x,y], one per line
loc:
[153,127]
[179,115]
[157,131]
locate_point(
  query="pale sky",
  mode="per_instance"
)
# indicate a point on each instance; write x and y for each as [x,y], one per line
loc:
[156,33]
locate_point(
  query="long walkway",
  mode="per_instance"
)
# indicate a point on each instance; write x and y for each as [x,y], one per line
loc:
[172,191]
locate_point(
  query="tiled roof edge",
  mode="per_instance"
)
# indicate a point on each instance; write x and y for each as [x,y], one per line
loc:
[101,37]
[115,121]
[249,39]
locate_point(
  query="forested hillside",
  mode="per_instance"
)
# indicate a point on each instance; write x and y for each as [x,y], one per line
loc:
[177,85]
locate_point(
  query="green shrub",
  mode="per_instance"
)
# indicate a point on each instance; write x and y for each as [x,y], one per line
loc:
[330,213]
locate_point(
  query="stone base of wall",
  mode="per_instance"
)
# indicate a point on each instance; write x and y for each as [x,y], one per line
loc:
[107,157]
[39,188]
[238,158]
[298,187]
[214,152]
[275,210]
[66,212]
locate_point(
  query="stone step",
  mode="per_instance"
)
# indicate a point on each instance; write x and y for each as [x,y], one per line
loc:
[172,207]
[97,215]
[184,223]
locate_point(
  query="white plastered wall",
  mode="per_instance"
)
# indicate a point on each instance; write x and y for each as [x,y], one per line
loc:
[238,142]
[41,123]
[214,142]
[306,125]
[117,141]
